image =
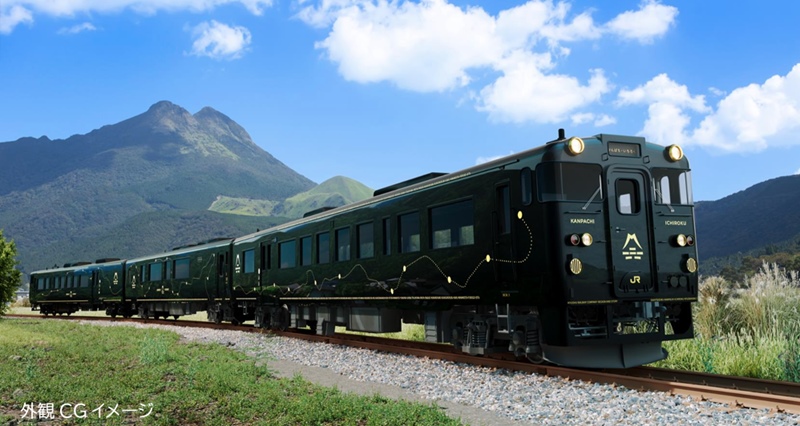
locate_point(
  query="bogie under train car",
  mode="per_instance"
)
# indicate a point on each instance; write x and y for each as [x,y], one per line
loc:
[579,252]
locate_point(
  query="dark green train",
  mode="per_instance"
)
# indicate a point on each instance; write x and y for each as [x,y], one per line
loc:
[580,252]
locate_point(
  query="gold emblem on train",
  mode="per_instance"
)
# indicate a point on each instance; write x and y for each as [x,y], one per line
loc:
[632,250]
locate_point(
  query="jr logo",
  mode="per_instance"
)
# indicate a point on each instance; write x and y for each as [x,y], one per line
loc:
[636,280]
[632,249]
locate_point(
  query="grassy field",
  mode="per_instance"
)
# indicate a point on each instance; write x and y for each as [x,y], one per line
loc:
[749,329]
[111,369]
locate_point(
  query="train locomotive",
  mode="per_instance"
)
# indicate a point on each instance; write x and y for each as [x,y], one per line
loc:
[580,252]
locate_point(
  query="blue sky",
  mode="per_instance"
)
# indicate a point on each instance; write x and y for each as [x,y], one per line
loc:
[384,91]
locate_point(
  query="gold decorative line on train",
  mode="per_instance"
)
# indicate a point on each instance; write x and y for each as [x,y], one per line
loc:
[312,280]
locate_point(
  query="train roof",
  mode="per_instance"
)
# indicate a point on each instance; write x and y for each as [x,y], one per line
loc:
[412,185]
[434,179]
[203,245]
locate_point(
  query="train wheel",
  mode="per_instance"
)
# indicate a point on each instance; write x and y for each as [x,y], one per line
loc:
[535,358]
[176,317]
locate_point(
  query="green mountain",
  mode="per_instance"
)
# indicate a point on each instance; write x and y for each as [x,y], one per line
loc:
[60,198]
[759,222]
[334,192]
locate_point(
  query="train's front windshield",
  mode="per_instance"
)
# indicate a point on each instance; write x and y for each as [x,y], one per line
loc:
[569,182]
[672,186]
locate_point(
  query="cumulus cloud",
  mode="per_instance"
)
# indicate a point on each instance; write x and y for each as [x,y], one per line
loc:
[599,120]
[749,119]
[75,29]
[14,12]
[220,41]
[435,46]
[13,15]
[652,20]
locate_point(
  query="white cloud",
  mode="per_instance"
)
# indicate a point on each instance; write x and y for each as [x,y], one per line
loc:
[599,120]
[14,12]
[482,160]
[75,29]
[797,172]
[525,93]
[13,15]
[652,20]
[435,46]
[749,119]
[220,41]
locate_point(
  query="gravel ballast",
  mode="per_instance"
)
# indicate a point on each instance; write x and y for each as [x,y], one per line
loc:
[477,395]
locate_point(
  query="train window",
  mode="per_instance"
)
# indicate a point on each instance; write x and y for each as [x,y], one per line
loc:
[452,225]
[366,242]
[169,272]
[627,196]
[305,251]
[40,283]
[503,210]
[387,236]
[145,273]
[323,247]
[181,269]
[671,186]
[408,228]
[249,261]
[343,244]
[155,271]
[569,182]
[525,186]
[287,254]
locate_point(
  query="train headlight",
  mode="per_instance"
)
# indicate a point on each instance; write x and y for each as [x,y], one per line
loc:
[575,145]
[574,239]
[689,240]
[680,240]
[691,265]
[586,239]
[575,266]
[674,152]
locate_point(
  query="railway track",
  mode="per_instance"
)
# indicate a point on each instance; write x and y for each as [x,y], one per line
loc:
[740,392]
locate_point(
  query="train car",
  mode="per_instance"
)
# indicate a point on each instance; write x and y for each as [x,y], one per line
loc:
[181,281]
[580,252]
[78,286]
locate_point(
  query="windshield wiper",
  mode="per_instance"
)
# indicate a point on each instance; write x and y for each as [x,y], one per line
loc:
[598,191]
[660,195]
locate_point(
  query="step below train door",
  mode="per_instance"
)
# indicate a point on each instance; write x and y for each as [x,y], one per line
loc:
[630,224]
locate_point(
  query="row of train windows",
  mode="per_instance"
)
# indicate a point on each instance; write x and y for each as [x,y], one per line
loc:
[69,281]
[451,225]
[177,269]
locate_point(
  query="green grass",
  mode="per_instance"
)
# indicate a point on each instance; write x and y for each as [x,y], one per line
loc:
[62,362]
[749,329]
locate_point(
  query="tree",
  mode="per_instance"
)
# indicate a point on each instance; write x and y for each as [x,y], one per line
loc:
[9,275]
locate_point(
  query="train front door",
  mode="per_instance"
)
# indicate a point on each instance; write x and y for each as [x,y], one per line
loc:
[630,223]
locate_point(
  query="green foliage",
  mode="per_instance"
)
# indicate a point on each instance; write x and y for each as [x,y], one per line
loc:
[749,328]
[9,275]
[58,362]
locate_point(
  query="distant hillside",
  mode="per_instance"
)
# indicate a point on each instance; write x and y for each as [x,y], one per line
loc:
[56,194]
[334,192]
[764,214]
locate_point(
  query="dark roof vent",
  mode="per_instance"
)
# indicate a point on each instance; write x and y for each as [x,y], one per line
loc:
[317,211]
[106,260]
[406,183]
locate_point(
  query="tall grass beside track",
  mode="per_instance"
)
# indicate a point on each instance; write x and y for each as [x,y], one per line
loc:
[749,329]
[60,362]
